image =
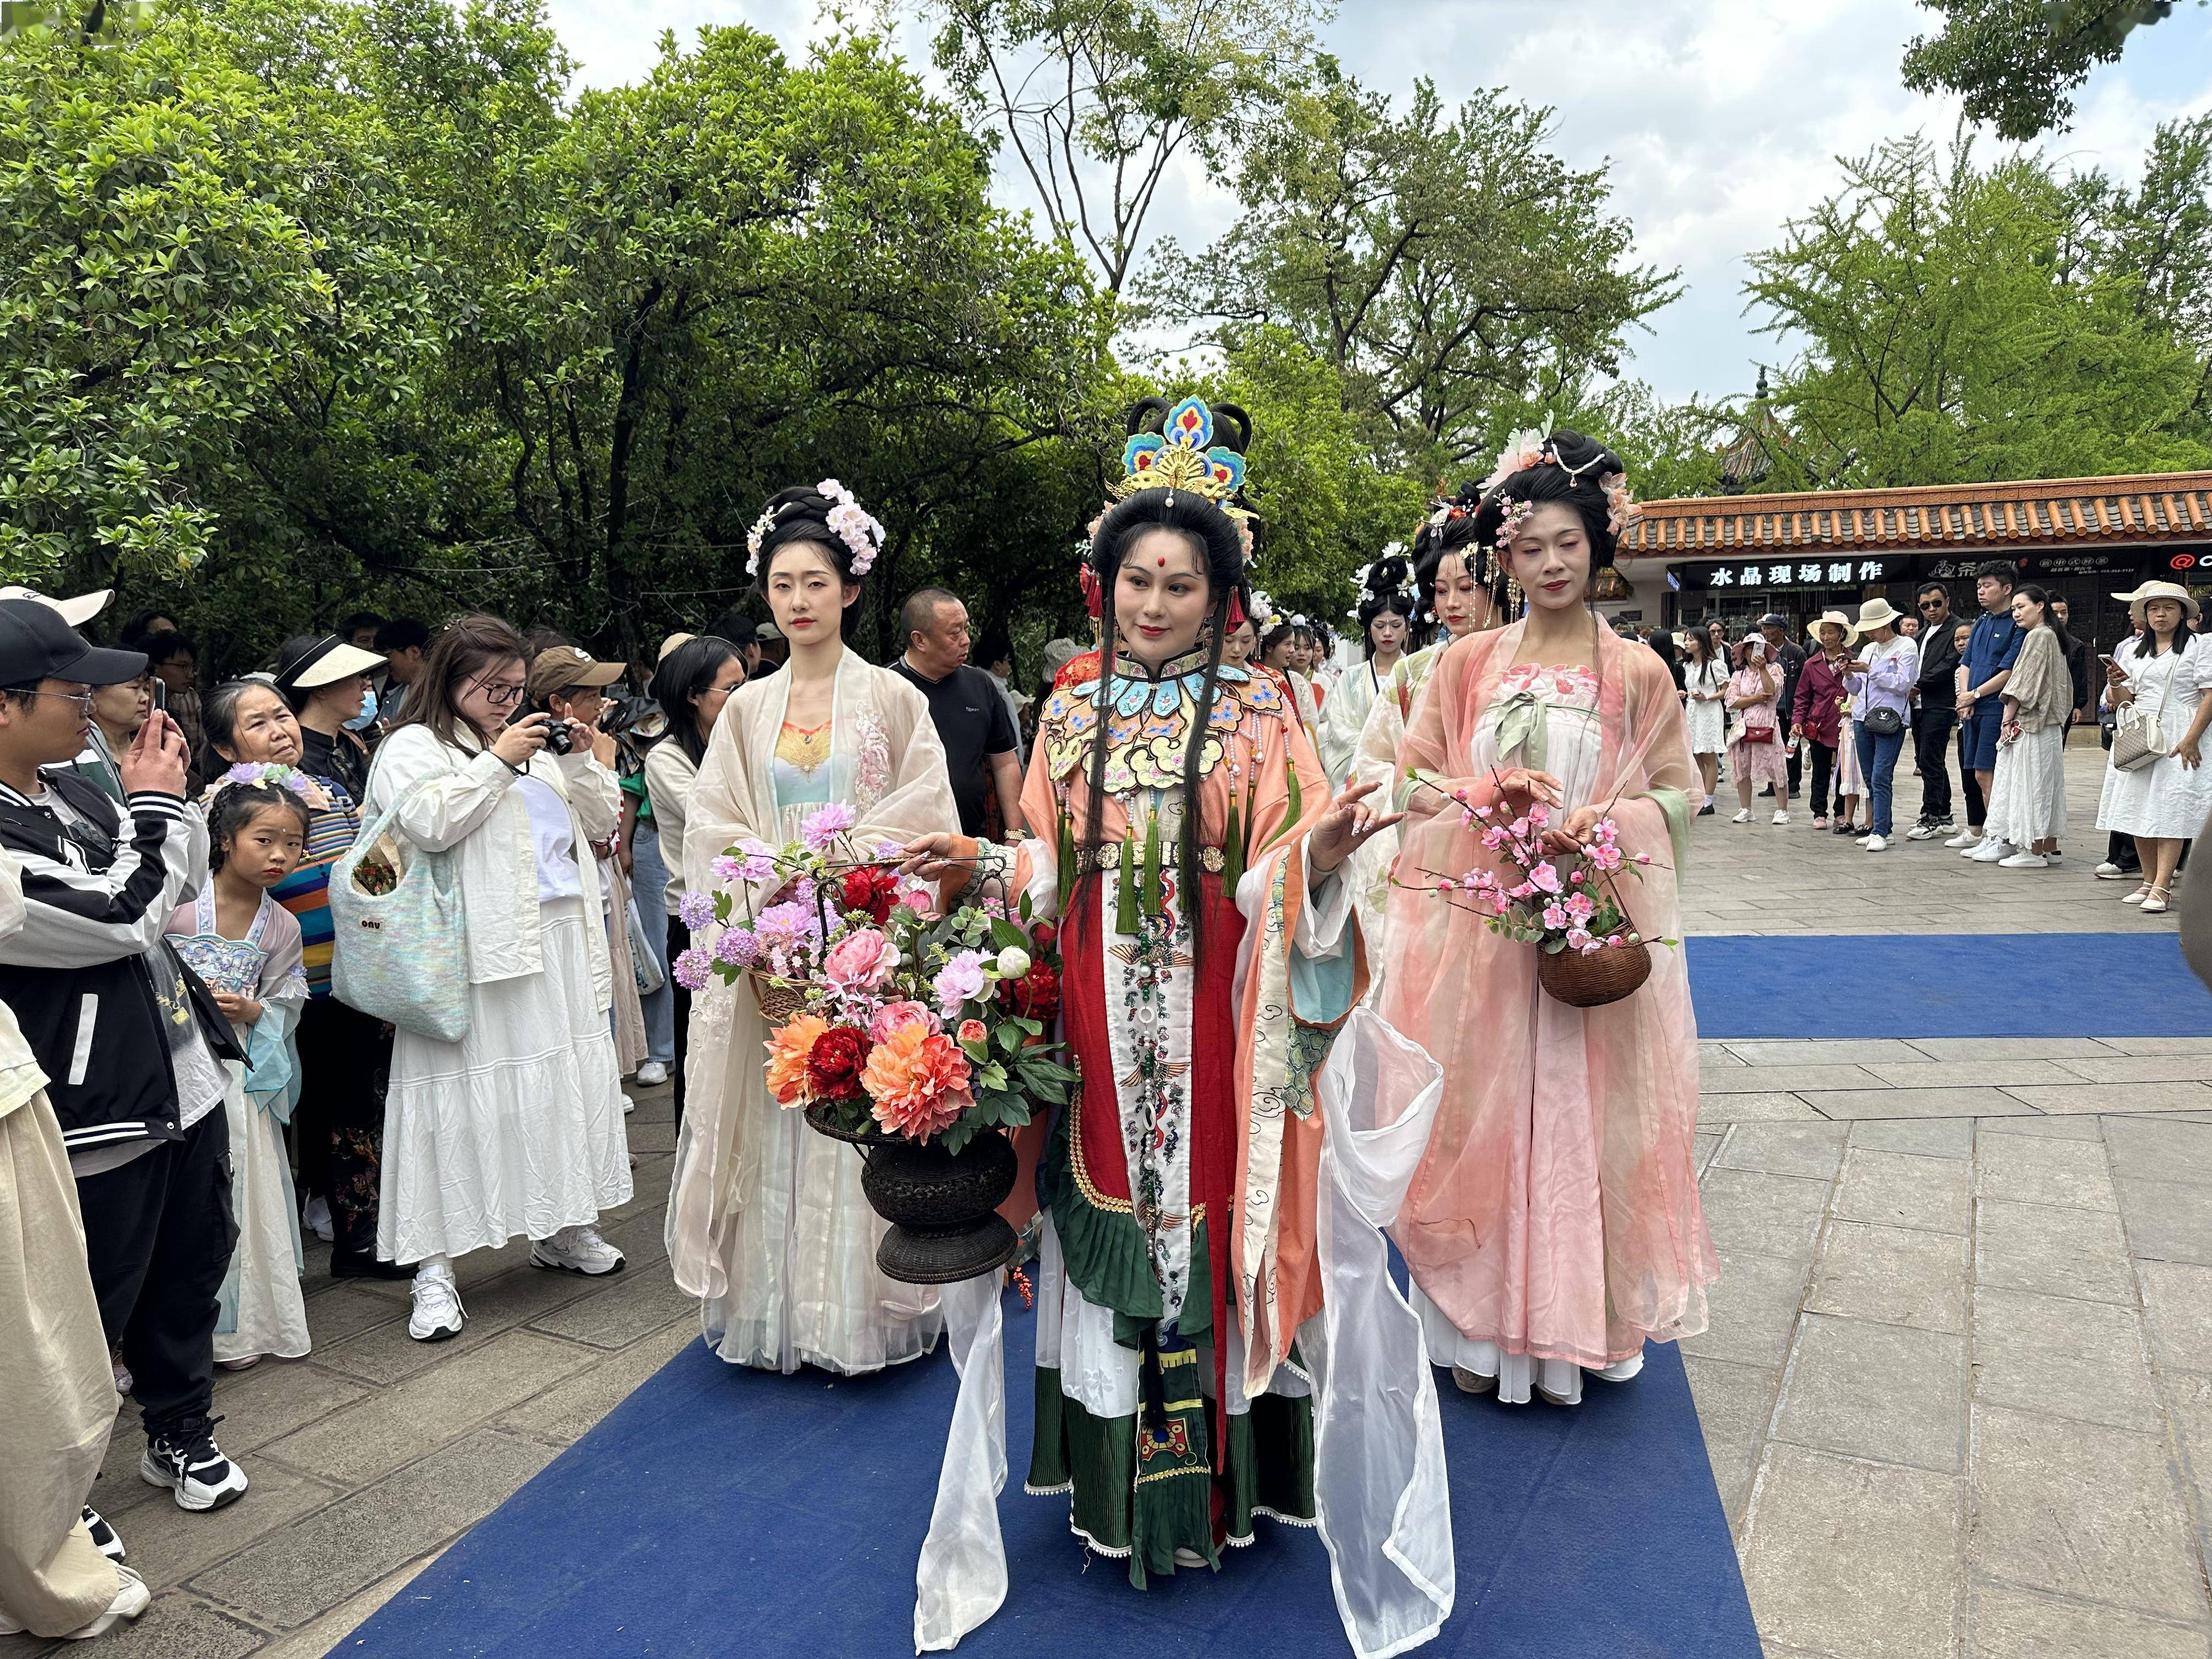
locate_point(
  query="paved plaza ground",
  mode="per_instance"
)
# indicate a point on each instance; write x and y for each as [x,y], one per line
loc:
[1956,1392]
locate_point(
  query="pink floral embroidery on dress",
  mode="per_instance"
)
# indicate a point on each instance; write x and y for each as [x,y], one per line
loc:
[1568,687]
[874,770]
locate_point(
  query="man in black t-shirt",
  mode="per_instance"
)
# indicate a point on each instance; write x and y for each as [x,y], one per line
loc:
[981,750]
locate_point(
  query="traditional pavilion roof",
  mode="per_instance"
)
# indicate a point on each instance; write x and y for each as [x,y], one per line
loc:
[2045,514]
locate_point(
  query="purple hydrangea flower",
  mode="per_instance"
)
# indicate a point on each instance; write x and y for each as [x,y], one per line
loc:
[738,947]
[695,910]
[691,969]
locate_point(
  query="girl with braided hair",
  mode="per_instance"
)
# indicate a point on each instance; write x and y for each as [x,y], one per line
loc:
[1553,1227]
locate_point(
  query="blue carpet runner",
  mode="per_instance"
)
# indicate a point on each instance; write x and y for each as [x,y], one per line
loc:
[719,1512]
[1942,984]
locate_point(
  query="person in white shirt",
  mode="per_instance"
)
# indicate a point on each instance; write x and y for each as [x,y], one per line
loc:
[517,1128]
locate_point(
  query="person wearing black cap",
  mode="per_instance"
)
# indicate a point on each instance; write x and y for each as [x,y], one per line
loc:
[130,1040]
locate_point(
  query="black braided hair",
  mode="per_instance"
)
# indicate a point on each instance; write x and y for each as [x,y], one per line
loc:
[233,808]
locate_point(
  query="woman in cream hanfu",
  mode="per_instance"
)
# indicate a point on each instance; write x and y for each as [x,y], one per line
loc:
[767,1223]
[1385,613]
[1209,957]
[1553,1226]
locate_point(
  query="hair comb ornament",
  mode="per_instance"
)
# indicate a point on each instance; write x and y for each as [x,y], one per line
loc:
[1182,455]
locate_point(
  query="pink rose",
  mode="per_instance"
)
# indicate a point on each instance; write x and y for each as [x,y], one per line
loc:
[972,1030]
[896,1015]
[916,899]
[858,962]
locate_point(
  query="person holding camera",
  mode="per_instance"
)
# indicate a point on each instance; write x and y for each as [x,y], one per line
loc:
[517,1128]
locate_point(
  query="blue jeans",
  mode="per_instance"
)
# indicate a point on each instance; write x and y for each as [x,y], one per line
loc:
[1878,766]
[649,882]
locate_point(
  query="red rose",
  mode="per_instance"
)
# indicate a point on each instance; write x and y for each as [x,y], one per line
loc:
[973,1030]
[1035,993]
[1043,937]
[833,1070]
[871,888]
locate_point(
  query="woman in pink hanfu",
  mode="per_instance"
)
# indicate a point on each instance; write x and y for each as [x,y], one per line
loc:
[1553,1226]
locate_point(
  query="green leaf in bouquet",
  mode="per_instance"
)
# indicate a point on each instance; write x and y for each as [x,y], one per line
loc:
[1024,910]
[1007,937]
[1009,1036]
[992,1075]
[977,1053]
[954,1139]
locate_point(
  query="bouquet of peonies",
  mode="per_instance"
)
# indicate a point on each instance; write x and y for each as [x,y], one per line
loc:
[927,1025]
[1562,901]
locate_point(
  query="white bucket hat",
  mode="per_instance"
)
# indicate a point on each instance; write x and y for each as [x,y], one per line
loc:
[2149,591]
[1877,612]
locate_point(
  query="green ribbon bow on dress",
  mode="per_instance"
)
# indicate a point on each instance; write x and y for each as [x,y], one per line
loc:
[1522,730]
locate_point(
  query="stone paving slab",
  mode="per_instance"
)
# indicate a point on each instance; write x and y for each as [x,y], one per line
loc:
[1956,1387]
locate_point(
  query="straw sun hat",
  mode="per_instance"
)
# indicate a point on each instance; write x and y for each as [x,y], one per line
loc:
[2149,591]
[1850,629]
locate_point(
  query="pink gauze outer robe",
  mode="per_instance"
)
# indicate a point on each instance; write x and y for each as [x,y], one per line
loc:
[1555,1212]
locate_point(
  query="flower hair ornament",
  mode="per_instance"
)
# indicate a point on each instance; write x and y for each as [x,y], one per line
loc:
[1262,612]
[284,777]
[1621,507]
[1516,514]
[849,521]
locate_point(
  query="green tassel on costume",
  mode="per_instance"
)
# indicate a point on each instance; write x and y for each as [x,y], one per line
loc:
[1152,902]
[1232,852]
[1290,764]
[1067,869]
[1125,911]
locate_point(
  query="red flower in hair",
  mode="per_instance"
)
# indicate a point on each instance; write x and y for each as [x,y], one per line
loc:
[833,1070]
[872,888]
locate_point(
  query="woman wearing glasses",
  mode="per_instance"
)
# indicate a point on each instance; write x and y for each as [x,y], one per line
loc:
[517,1128]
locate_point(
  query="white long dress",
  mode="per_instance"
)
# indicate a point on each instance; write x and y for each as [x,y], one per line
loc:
[2165,799]
[1708,719]
[767,1223]
[516,1130]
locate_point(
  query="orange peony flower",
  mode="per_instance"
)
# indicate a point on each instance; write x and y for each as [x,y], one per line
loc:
[918,1080]
[787,1053]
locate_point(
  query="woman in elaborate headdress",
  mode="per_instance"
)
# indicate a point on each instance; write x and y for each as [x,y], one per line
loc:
[1554,1225]
[1459,589]
[1209,960]
[1385,613]
[767,1223]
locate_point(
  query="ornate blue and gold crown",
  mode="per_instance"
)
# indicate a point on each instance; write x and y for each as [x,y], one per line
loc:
[1182,455]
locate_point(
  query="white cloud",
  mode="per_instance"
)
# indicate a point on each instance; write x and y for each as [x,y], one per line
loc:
[1722,119]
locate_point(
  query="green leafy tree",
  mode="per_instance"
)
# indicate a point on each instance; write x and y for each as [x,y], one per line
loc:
[1961,323]
[2017,63]
[1442,262]
[1098,99]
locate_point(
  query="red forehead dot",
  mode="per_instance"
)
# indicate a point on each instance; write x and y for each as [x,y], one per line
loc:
[1163,563]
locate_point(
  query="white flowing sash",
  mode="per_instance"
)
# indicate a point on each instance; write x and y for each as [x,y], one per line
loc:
[961,1580]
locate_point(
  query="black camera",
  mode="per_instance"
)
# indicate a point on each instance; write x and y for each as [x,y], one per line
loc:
[557,738]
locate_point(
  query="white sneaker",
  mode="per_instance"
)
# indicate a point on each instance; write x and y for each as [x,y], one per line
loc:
[132,1599]
[1876,844]
[1744,817]
[2109,871]
[1965,839]
[1994,851]
[437,1314]
[576,1250]
[1862,840]
[319,1219]
[193,1467]
[103,1536]
[1782,818]
[1921,832]
[2024,861]
[652,1074]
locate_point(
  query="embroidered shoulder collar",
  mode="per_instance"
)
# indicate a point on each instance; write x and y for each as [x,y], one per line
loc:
[1147,720]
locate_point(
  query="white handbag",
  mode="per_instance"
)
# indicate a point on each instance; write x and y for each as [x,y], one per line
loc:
[2139,740]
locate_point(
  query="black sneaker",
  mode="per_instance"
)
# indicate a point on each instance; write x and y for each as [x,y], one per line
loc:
[365,1264]
[103,1536]
[191,1465]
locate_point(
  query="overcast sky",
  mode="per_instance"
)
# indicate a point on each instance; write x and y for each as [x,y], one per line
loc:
[1722,117]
